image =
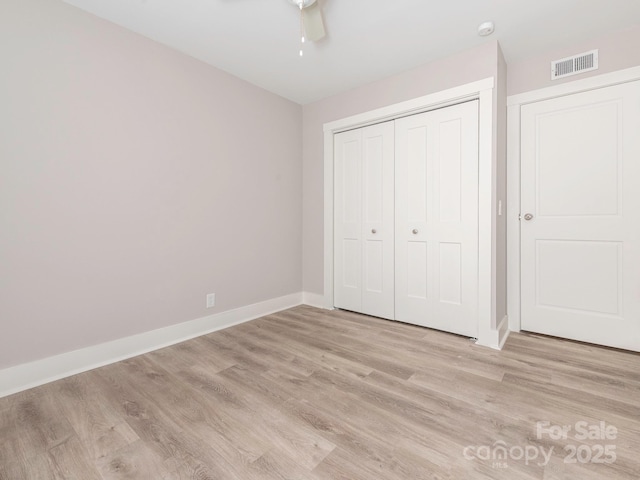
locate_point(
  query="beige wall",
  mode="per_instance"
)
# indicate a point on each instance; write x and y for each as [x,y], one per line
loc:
[133,181]
[617,51]
[501,188]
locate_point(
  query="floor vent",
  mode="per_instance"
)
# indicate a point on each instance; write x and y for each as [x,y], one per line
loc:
[583,62]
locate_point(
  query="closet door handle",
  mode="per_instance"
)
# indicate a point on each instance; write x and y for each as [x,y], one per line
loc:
[414,231]
[373,230]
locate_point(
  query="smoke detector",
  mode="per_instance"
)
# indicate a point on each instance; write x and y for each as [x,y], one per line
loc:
[486,28]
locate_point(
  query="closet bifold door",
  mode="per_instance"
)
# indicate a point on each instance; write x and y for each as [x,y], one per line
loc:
[363,220]
[436,210]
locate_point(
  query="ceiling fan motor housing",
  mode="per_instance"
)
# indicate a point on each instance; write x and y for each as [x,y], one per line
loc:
[305,3]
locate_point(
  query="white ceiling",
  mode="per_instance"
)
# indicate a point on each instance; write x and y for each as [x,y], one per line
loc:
[258,40]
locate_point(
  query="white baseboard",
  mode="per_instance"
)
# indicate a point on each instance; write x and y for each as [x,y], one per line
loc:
[495,338]
[29,375]
[313,299]
[503,332]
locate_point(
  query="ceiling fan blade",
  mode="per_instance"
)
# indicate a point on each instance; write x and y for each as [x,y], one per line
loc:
[313,24]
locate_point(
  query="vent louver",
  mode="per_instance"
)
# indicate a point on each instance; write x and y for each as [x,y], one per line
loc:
[580,63]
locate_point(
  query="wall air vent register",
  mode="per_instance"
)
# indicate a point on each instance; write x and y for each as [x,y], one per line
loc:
[583,62]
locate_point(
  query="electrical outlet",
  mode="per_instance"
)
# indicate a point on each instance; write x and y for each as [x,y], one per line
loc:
[211,300]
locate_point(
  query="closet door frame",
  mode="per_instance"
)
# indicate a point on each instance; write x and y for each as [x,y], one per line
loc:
[489,334]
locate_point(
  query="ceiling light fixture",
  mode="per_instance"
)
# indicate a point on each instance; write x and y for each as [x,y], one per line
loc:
[311,24]
[301,28]
[485,29]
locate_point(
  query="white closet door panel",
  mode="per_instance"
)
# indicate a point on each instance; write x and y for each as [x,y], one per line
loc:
[414,242]
[416,171]
[417,268]
[437,219]
[455,227]
[580,252]
[378,221]
[363,249]
[450,273]
[348,220]
[449,167]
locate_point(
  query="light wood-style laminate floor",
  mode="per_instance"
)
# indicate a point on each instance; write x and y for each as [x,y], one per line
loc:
[311,394]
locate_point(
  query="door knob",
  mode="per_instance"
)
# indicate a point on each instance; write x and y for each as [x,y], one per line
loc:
[373,230]
[414,231]
[528,216]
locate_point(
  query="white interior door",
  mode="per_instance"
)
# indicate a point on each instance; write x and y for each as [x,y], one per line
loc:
[364,223]
[580,252]
[436,258]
